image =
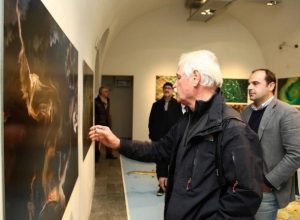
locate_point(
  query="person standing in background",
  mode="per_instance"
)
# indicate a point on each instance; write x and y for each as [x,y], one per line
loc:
[278,127]
[164,114]
[103,117]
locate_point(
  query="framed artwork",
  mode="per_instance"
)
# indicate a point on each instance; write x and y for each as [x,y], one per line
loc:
[235,90]
[289,90]
[160,81]
[88,110]
[40,108]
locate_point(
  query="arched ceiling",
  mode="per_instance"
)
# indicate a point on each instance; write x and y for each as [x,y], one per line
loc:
[263,22]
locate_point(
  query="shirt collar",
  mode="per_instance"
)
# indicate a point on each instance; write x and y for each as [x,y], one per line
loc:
[264,105]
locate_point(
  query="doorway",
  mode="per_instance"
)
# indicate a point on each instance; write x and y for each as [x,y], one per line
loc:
[121,103]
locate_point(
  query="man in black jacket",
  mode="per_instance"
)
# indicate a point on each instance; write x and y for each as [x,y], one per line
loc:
[164,114]
[215,169]
[103,117]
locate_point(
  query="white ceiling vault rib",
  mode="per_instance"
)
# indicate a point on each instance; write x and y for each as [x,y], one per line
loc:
[204,10]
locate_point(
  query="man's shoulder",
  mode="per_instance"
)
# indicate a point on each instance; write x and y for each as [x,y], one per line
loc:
[159,102]
[283,106]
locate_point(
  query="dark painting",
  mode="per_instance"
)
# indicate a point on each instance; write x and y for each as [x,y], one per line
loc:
[289,90]
[88,100]
[40,113]
[235,90]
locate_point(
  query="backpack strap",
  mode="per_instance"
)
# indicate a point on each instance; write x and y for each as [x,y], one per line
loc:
[218,150]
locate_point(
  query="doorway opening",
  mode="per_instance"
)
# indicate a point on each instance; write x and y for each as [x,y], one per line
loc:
[121,103]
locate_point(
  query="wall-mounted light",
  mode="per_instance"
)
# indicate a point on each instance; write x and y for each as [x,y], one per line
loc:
[285,44]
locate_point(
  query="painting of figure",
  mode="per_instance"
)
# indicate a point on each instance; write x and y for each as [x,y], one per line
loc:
[235,90]
[40,113]
[88,100]
[289,90]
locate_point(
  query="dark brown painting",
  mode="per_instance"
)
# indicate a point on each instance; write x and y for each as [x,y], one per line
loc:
[40,112]
[88,100]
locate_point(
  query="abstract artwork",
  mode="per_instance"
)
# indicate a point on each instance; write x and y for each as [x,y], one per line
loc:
[40,113]
[160,81]
[88,100]
[235,90]
[289,90]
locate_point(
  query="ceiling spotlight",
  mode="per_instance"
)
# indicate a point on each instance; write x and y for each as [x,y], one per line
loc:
[271,3]
[208,12]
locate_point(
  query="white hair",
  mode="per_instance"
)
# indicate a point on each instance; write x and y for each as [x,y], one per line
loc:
[206,63]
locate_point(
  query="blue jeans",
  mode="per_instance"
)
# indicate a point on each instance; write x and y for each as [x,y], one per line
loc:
[268,207]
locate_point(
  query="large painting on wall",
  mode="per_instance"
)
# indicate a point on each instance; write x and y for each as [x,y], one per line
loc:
[40,113]
[88,100]
[289,90]
[235,90]
[160,81]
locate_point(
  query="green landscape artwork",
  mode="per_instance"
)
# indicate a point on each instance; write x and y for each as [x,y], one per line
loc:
[235,90]
[289,90]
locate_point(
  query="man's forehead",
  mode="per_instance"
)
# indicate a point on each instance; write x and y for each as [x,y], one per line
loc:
[258,76]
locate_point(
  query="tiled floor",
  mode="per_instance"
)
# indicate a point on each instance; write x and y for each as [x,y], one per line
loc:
[108,201]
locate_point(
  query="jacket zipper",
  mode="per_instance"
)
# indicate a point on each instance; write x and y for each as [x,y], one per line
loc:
[195,161]
[236,183]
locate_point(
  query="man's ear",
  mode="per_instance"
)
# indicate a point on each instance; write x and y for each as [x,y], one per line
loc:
[271,86]
[196,78]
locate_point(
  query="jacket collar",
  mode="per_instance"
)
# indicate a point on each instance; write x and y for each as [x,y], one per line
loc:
[207,117]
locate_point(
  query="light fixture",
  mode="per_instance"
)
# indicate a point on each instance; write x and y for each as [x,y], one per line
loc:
[285,44]
[271,3]
[208,12]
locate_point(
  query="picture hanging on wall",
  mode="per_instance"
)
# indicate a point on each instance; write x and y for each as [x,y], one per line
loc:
[235,90]
[160,81]
[88,100]
[40,112]
[289,90]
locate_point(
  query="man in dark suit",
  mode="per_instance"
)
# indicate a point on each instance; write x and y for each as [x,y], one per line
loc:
[278,127]
[164,114]
[103,117]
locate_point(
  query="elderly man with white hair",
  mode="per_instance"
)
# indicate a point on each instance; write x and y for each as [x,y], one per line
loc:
[215,159]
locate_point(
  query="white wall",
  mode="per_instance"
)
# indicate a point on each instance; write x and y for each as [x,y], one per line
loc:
[152,44]
[271,26]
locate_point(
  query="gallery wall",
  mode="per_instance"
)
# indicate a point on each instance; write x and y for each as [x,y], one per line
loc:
[276,30]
